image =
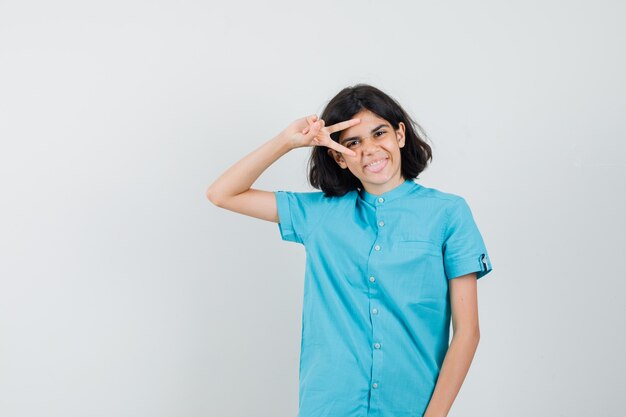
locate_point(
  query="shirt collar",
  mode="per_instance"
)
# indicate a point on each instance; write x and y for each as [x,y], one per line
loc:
[400,191]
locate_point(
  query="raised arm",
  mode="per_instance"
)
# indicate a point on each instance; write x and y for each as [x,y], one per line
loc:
[232,189]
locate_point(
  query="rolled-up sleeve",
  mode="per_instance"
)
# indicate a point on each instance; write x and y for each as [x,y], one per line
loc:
[283,201]
[464,250]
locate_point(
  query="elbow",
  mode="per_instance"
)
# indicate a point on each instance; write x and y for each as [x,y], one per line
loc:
[476,336]
[475,333]
[213,197]
[469,335]
[471,338]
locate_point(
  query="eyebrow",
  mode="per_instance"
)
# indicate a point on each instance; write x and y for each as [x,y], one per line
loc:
[342,141]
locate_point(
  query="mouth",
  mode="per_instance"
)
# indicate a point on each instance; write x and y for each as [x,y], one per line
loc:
[377,165]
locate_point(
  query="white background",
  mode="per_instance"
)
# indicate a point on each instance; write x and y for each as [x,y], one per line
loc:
[124,292]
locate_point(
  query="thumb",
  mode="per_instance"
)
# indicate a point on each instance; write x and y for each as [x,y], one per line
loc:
[312,118]
[313,130]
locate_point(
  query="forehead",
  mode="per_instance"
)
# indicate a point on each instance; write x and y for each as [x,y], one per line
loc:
[368,122]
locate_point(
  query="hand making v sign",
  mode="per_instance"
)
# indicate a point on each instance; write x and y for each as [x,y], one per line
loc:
[310,131]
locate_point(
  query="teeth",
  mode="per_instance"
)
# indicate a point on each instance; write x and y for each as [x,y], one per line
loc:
[375,163]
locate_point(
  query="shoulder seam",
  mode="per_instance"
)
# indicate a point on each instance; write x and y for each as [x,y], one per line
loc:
[321,219]
[448,214]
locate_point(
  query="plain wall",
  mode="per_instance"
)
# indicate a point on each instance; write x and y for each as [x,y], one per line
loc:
[125,292]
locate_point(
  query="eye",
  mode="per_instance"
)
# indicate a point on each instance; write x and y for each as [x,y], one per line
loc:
[352,142]
[379,133]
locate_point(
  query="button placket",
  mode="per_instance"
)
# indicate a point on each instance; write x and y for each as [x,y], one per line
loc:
[376,337]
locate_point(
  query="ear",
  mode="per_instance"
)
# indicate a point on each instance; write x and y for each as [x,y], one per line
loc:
[337,157]
[400,134]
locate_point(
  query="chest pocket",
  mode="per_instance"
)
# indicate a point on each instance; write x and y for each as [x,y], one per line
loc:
[418,246]
[421,269]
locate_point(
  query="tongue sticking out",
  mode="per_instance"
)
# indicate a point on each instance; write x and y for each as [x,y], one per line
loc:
[377,167]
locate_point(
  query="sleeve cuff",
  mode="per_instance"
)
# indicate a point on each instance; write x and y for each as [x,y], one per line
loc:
[285,224]
[479,264]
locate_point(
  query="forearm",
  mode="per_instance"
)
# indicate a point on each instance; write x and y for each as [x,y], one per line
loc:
[240,177]
[453,371]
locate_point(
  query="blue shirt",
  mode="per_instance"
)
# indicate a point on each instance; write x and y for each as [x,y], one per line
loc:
[376,311]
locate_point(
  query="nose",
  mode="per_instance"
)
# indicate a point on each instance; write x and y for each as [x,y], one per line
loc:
[369,146]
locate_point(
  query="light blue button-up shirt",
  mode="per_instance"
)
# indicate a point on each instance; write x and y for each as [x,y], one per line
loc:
[376,311]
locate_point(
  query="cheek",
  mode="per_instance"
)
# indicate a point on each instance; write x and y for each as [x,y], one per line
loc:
[348,160]
[353,167]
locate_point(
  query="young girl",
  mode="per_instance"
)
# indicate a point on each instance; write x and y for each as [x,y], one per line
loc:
[388,261]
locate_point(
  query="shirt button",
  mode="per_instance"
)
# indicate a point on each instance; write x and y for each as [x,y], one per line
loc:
[372,279]
[377,247]
[380,199]
[374,385]
[377,345]
[374,311]
[381,223]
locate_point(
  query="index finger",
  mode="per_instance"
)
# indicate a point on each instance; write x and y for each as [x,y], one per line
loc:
[342,125]
[340,148]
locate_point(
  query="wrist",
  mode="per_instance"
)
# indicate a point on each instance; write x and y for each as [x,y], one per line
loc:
[284,142]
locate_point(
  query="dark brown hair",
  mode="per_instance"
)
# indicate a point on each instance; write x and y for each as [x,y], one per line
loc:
[326,175]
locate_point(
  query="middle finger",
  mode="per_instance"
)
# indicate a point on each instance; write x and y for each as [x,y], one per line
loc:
[342,125]
[339,148]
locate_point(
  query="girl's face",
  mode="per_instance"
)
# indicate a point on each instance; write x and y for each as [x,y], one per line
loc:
[377,147]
